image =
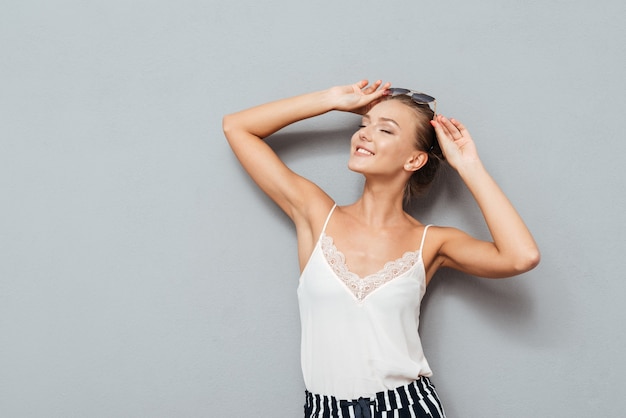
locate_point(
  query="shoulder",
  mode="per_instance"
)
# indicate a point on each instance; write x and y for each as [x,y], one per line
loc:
[440,236]
[437,243]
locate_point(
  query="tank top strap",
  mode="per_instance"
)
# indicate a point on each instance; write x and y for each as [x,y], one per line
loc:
[424,237]
[328,218]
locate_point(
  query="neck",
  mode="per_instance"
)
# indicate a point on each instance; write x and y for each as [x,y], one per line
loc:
[380,205]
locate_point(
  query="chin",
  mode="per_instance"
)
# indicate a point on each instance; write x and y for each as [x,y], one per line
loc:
[355,167]
[352,166]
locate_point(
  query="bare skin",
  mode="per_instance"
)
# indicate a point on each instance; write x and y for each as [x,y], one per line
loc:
[375,229]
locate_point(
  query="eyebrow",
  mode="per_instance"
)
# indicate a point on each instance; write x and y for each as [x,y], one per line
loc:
[384,119]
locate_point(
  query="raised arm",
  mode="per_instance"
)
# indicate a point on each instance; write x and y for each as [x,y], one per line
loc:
[246,130]
[513,250]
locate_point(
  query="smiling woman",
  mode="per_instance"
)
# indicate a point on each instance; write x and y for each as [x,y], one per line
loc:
[423,135]
[365,266]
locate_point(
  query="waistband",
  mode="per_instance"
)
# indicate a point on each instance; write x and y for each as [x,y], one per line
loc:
[421,392]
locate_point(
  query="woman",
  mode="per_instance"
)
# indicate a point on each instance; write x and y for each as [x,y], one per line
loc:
[361,353]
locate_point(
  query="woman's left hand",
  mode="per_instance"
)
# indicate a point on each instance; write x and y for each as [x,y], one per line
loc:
[512,249]
[455,141]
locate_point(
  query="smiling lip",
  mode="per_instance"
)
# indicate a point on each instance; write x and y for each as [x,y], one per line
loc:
[363,151]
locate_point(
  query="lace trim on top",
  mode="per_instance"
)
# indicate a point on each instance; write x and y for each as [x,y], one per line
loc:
[361,287]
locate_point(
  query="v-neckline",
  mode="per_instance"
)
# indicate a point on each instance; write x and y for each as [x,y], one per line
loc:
[359,286]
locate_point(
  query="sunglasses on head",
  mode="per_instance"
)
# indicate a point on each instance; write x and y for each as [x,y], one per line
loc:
[416,96]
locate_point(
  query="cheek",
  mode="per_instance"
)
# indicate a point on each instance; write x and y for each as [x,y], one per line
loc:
[395,149]
[407,145]
[399,154]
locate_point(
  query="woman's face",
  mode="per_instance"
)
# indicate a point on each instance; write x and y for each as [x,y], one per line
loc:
[385,142]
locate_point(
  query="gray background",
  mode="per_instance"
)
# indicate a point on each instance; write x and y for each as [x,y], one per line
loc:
[143,275]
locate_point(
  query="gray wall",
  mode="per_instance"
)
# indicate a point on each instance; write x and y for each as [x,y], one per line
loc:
[142,274]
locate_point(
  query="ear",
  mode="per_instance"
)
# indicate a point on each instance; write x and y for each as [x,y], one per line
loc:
[416,161]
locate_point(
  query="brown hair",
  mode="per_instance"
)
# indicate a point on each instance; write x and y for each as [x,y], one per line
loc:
[425,140]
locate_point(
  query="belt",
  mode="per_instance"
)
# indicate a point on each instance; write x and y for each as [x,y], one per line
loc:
[361,407]
[421,391]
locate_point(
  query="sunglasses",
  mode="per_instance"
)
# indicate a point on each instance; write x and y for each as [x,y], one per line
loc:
[416,96]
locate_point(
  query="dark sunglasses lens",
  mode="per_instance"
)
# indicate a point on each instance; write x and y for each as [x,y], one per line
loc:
[422,98]
[396,91]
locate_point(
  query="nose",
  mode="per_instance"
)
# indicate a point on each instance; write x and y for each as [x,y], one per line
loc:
[364,134]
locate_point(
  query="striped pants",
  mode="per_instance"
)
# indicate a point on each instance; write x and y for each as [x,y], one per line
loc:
[415,400]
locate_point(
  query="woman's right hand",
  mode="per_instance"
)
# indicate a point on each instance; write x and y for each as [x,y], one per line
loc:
[245,131]
[358,97]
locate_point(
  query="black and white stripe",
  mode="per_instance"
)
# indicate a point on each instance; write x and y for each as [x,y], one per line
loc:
[415,400]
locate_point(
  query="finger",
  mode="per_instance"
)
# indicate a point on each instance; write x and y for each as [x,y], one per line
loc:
[382,91]
[361,84]
[373,87]
[444,129]
[462,129]
[381,88]
[444,136]
[452,128]
[376,93]
[440,130]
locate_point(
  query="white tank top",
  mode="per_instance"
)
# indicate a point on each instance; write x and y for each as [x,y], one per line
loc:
[360,335]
